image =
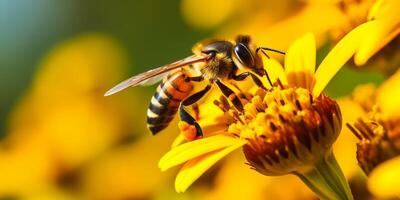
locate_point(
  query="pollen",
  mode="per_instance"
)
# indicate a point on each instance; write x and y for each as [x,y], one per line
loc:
[286,128]
[188,131]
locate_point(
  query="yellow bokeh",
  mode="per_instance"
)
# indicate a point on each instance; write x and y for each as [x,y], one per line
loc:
[64,140]
[64,121]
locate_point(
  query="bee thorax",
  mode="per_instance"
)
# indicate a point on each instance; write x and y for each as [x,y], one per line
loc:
[220,67]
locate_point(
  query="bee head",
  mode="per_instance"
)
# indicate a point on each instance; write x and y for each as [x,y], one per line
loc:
[245,57]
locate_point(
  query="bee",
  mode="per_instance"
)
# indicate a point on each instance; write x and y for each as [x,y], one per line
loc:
[214,61]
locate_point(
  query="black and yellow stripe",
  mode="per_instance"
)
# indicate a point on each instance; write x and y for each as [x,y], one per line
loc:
[165,102]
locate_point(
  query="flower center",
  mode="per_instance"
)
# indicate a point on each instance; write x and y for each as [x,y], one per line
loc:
[287,129]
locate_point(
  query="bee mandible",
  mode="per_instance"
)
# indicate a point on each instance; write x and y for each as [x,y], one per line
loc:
[214,61]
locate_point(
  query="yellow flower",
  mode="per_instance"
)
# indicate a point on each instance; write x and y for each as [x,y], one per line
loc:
[122,173]
[378,149]
[335,19]
[288,129]
[207,14]
[63,122]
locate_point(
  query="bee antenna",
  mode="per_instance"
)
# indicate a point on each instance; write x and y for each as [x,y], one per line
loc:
[263,52]
[263,49]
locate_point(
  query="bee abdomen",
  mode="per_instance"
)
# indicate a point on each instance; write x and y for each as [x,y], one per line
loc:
[165,102]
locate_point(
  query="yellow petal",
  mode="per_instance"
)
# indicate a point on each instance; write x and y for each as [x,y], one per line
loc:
[378,36]
[178,140]
[193,169]
[338,56]
[388,96]
[301,54]
[384,181]
[190,150]
[309,52]
[274,69]
[384,8]
[300,61]
[386,28]
[374,11]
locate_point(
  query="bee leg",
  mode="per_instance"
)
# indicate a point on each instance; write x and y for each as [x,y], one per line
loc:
[188,125]
[269,80]
[188,120]
[228,93]
[196,96]
[196,110]
[257,81]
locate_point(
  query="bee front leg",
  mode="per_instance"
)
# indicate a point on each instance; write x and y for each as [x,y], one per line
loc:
[188,124]
[228,93]
[244,75]
[196,110]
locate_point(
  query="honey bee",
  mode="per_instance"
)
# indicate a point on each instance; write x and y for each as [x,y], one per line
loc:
[214,61]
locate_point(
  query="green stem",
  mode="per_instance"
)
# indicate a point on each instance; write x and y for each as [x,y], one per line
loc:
[326,179]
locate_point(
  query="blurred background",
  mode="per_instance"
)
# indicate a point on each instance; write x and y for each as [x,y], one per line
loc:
[61,139]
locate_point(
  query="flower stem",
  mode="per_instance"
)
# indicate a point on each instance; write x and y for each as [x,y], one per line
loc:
[326,179]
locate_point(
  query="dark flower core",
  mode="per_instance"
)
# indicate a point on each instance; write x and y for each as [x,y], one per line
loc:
[287,129]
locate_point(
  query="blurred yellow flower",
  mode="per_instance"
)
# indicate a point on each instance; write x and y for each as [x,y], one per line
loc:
[217,12]
[129,171]
[378,150]
[209,14]
[345,146]
[64,121]
[300,91]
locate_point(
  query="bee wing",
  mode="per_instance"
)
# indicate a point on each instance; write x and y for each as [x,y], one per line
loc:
[153,75]
[153,80]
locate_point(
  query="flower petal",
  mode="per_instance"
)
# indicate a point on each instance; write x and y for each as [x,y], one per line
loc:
[193,169]
[338,56]
[375,9]
[178,140]
[274,69]
[378,36]
[386,14]
[190,150]
[384,9]
[300,62]
[384,180]
[388,96]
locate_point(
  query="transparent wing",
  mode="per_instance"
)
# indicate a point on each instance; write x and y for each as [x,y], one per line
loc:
[145,77]
[154,80]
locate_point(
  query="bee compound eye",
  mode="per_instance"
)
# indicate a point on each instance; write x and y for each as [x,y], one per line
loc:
[244,55]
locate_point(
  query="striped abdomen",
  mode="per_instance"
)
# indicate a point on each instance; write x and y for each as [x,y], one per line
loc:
[165,102]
